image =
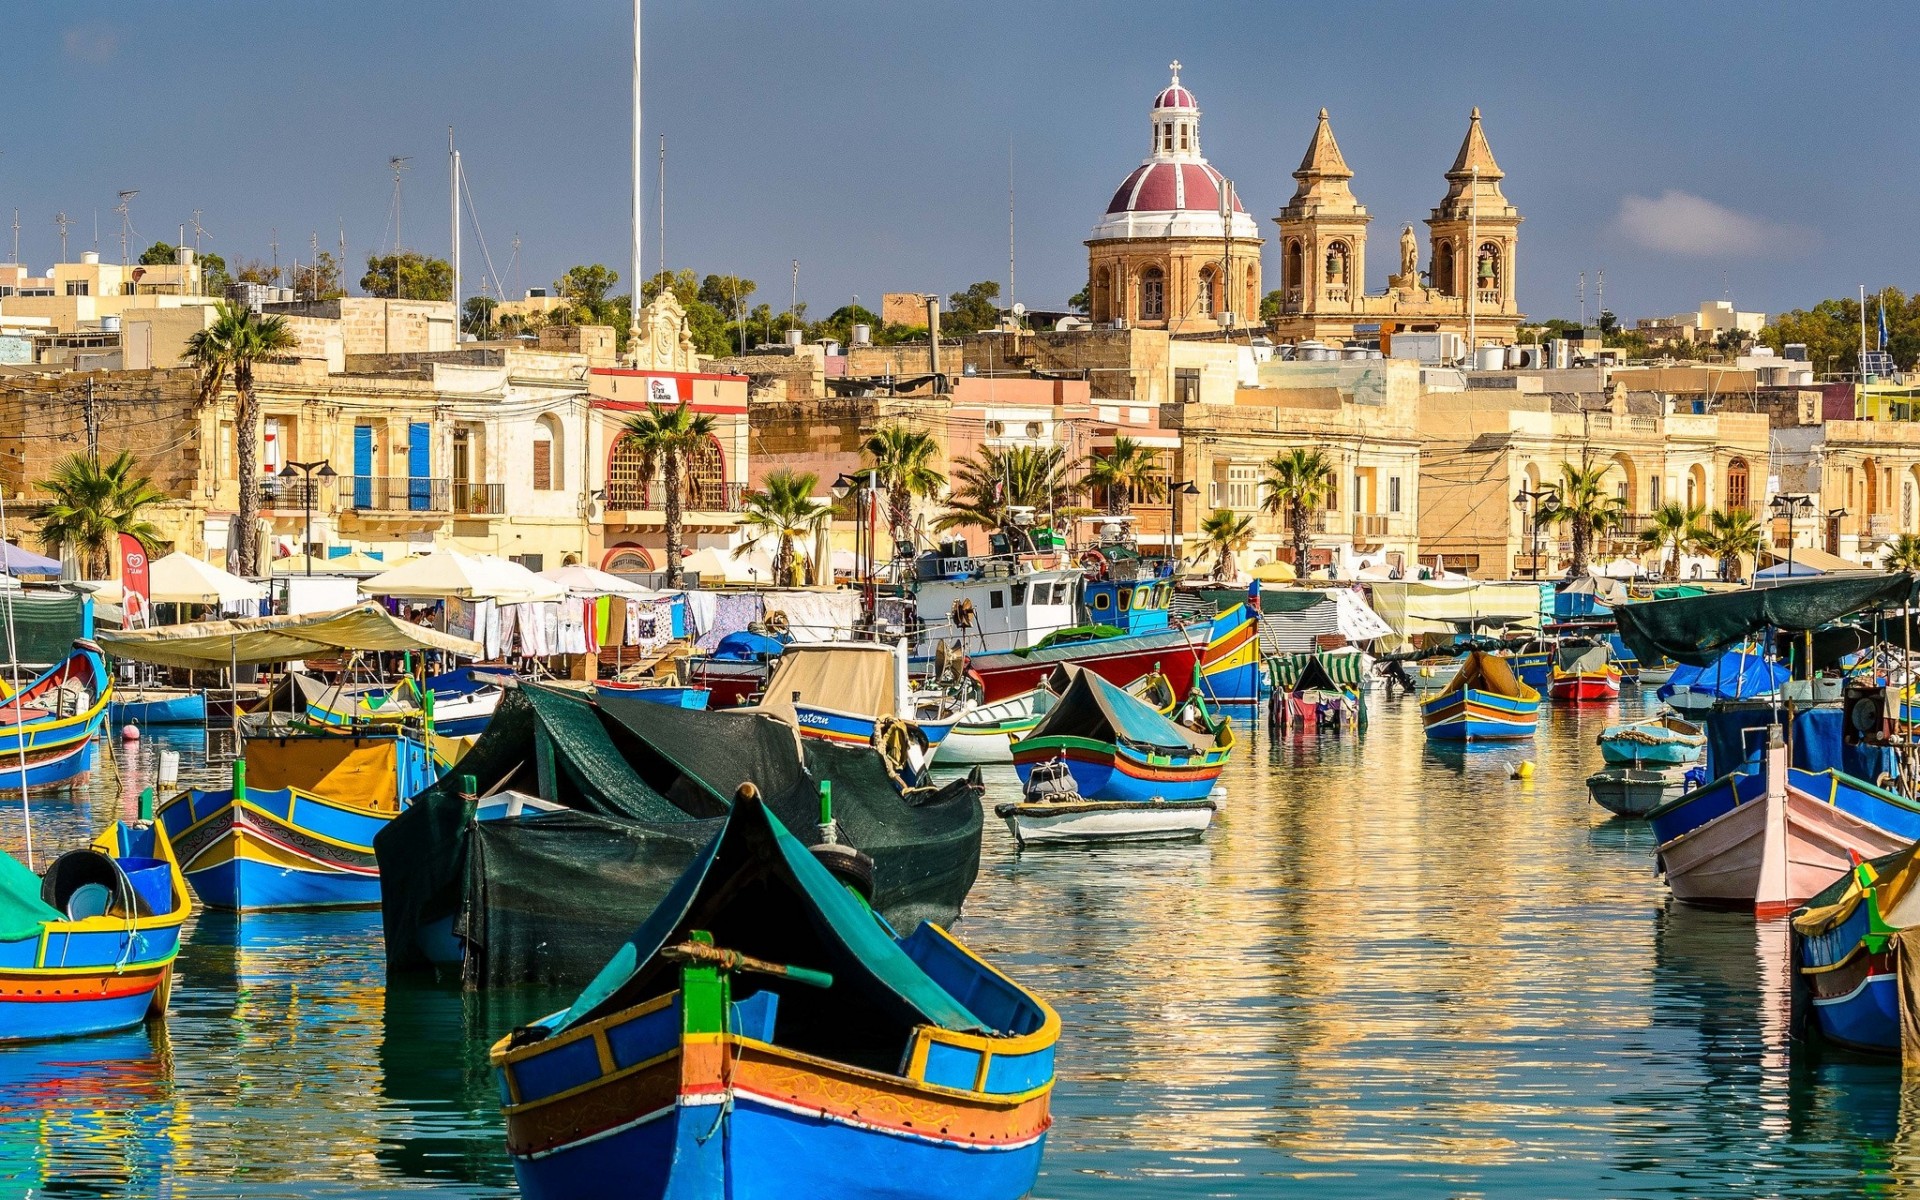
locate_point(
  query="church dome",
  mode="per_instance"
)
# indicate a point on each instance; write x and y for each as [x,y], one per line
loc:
[1174,192]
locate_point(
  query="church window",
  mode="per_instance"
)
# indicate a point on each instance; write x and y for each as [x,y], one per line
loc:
[1487,270]
[1207,292]
[1443,270]
[1184,144]
[1294,272]
[1153,295]
[1337,263]
[1166,136]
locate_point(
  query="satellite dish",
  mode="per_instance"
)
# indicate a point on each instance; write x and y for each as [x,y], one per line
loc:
[1019,310]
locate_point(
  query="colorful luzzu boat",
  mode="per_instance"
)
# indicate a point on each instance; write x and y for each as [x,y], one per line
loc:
[1485,701]
[89,947]
[1120,748]
[1845,958]
[857,693]
[1583,671]
[158,706]
[1661,741]
[763,1034]
[300,834]
[670,695]
[462,703]
[47,729]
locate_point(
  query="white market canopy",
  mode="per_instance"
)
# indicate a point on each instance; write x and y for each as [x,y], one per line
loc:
[279,639]
[583,580]
[447,574]
[183,579]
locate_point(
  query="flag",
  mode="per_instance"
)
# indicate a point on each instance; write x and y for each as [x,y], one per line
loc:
[135,592]
[1883,323]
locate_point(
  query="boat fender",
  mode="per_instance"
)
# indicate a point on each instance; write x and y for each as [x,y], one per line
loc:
[1522,770]
[131,733]
[777,622]
[848,865]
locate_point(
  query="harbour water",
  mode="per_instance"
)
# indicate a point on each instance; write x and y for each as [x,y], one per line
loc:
[1389,970]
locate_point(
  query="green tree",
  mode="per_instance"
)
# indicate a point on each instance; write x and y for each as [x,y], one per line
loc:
[319,279]
[666,438]
[1672,530]
[1297,482]
[1831,330]
[1730,535]
[1272,304]
[728,293]
[586,285]
[1128,472]
[93,505]
[1224,534]
[160,254]
[904,459]
[1082,300]
[1584,505]
[234,344]
[253,270]
[997,479]
[1902,553]
[784,510]
[971,311]
[408,275]
[476,316]
[214,279]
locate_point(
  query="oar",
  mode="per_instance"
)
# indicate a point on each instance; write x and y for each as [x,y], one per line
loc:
[733,960]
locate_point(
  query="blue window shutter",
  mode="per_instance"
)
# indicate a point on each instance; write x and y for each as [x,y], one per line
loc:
[363,466]
[419,465]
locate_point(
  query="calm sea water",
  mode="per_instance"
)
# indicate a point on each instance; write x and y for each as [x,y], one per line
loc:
[1388,971]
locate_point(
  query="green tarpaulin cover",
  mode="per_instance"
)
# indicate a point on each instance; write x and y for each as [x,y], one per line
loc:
[21,909]
[1342,670]
[1697,629]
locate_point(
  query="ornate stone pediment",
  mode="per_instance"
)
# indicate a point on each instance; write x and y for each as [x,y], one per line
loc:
[663,341]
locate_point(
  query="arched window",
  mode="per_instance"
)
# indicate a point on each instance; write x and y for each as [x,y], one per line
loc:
[1166,136]
[1153,295]
[1871,470]
[1737,484]
[1443,269]
[1295,273]
[626,475]
[1486,271]
[1207,293]
[548,471]
[707,476]
[1101,306]
[1337,263]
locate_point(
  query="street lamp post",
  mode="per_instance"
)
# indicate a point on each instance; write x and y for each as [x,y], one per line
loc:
[1786,504]
[1520,501]
[307,472]
[862,487]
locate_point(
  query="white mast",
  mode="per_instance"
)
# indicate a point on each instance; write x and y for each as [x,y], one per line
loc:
[1473,271]
[634,315]
[453,215]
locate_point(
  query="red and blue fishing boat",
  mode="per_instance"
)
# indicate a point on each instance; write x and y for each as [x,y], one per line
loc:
[1583,671]
[764,1034]
[671,695]
[47,728]
[1121,748]
[89,946]
[1846,966]
[300,834]
[1486,701]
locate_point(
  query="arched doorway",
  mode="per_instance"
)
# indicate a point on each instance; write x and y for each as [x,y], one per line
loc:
[1443,270]
[1294,273]
[1625,480]
[1871,469]
[1697,487]
[627,558]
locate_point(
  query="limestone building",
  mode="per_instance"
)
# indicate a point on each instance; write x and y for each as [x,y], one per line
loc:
[1466,289]
[1175,250]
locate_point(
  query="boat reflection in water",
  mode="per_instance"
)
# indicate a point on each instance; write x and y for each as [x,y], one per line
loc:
[96,1116]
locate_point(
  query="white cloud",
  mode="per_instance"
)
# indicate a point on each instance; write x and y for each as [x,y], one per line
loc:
[94,42]
[1694,226]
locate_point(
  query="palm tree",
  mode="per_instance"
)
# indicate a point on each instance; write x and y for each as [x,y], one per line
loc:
[1298,481]
[1730,535]
[1675,526]
[903,459]
[1902,553]
[93,505]
[666,439]
[1584,505]
[998,479]
[1224,533]
[1126,473]
[785,509]
[235,342]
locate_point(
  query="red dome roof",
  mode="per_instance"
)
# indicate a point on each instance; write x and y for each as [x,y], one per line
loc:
[1171,187]
[1175,97]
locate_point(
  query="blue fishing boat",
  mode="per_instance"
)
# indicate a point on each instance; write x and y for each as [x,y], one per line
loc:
[1741,673]
[158,706]
[1846,966]
[1121,748]
[653,693]
[1665,741]
[89,946]
[296,829]
[46,729]
[857,693]
[763,1034]
[1485,701]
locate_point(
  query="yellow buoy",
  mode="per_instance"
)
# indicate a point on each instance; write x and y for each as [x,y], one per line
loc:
[1522,770]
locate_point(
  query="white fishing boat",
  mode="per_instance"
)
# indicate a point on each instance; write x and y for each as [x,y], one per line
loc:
[1052,812]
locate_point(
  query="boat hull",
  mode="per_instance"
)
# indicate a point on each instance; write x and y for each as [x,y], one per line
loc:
[1103,771]
[153,708]
[1172,652]
[1087,822]
[48,768]
[673,697]
[1585,687]
[1628,792]
[275,850]
[1857,1004]
[1473,715]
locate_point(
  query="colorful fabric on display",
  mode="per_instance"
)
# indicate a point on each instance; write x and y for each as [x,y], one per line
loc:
[509,624]
[732,614]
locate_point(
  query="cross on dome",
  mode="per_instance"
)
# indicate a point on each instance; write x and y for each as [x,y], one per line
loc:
[1175,96]
[1174,66]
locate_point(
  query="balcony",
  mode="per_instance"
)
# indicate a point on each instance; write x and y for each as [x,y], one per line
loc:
[1487,296]
[1373,527]
[395,494]
[626,496]
[1336,293]
[293,495]
[479,499]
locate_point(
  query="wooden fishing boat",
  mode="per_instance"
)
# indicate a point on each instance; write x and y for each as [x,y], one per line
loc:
[1051,811]
[89,947]
[1846,966]
[1634,792]
[1658,674]
[462,702]
[296,829]
[858,694]
[762,1034]
[158,706]
[653,693]
[46,728]
[1532,664]
[1583,671]
[986,733]
[1485,701]
[1665,740]
[1118,747]
[58,767]
[1768,841]
[1231,639]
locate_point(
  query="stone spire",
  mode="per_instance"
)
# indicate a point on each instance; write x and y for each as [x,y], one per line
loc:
[1473,182]
[1475,157]
[1323,177]
[1323,154]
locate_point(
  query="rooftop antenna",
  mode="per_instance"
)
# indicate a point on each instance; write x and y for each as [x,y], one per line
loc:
[1581,293]
[343,255]
[453,216]
[198,232]
[633,316]
[126,219]
[61,220]
[662,251]
[793,309]
[513,264]
[396,164]
[274,233]
[1010,224]
[16,235]
[313,269]
[1600,295]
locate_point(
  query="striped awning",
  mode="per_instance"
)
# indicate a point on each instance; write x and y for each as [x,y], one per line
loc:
[1286,670]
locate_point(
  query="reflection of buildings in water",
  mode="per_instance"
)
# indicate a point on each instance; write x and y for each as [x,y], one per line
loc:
[94,1116]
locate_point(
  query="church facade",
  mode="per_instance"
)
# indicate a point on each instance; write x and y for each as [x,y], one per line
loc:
[1467,287]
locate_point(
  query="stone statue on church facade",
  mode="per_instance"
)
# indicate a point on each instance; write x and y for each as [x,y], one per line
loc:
[1409,252]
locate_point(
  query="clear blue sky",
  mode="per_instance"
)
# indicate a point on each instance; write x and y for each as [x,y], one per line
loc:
[1765,152]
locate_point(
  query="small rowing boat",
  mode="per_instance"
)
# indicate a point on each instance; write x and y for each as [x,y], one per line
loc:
[1485,701]
[1119,747]
[1665,740]
[1583,671]
[1634,792]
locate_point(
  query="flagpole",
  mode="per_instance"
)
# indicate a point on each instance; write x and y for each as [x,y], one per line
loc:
[1863,333]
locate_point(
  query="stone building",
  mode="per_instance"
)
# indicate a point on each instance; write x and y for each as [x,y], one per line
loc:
[1472,236]
[1175,249]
